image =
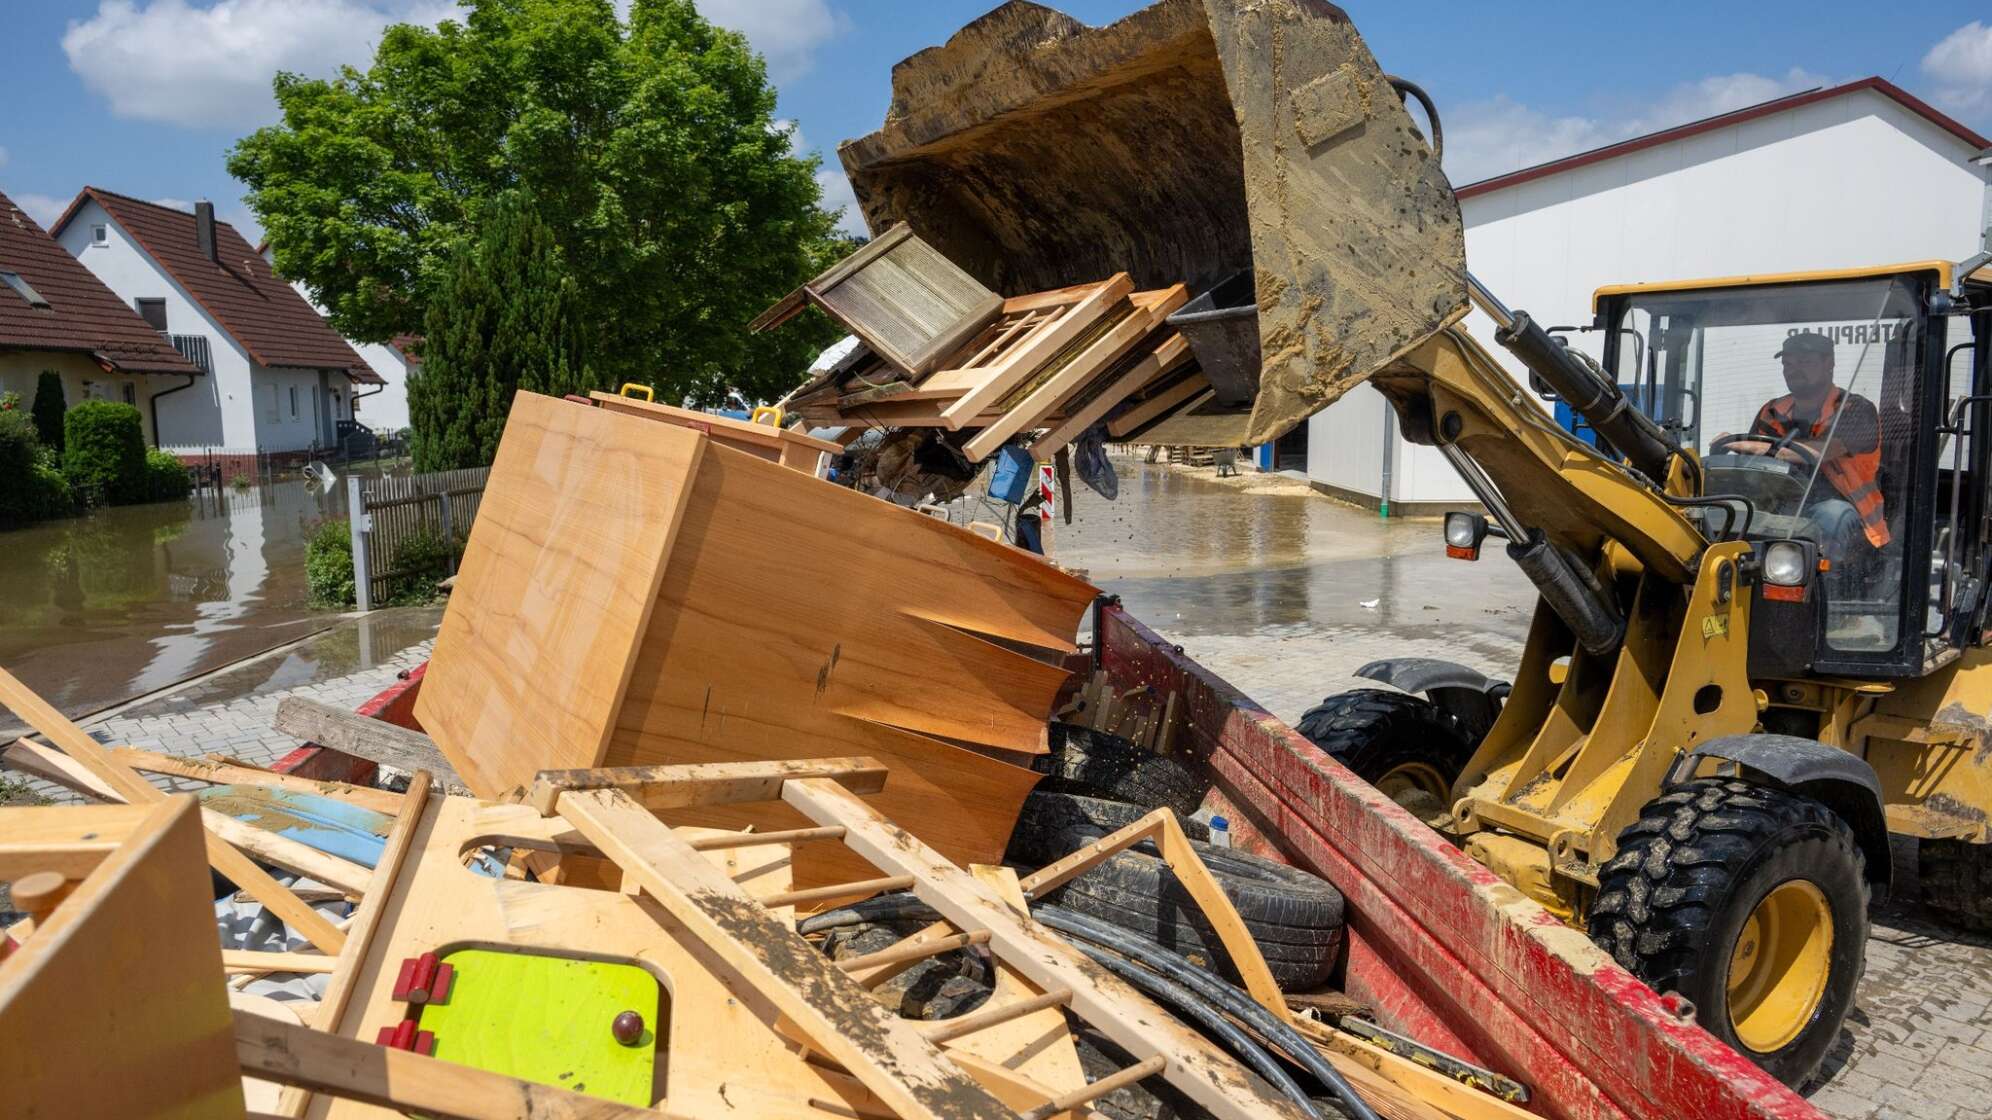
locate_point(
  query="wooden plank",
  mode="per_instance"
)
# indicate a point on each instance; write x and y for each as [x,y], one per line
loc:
[1160,362]
[724,429]
[125,783]
[63,838]
[681,787]
[375,740]
[115,1006]
[1044,343]
[1038,1045]
[294,856]
[236,773]
[249,960]
[840,1019]
[1155,407]
[405,1081]
[1104,351]
[366,922]
[557,585]
[1196,1067]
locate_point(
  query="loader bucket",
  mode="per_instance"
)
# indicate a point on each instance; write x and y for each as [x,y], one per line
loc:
[1186,142]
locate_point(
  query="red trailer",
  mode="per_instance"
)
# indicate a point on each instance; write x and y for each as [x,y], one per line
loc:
[1440,947]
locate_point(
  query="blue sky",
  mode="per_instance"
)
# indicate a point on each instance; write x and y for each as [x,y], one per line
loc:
[146,96]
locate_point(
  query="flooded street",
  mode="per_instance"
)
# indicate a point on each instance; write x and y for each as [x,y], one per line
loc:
[1191,555]
[96,610]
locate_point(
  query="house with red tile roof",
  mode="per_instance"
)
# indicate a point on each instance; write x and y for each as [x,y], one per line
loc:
[382,402]
[280,378]
[56,316]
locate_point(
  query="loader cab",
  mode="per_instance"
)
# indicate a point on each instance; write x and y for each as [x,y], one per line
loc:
[1843,418]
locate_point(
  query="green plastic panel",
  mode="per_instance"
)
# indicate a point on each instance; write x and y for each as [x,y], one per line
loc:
[547,1019]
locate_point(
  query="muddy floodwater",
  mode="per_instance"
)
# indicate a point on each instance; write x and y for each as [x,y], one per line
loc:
[96,610]
[1195,555]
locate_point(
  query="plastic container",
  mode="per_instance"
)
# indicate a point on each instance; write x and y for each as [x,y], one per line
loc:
[1222,326]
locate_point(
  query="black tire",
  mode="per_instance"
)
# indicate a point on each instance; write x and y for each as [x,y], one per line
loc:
[1096,764]
[1152,1098]
[1689,874]
[1053,824]
[1294,917]
[1957,882]
[1377,733]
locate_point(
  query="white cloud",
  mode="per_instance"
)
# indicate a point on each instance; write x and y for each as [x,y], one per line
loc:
[785,32]
[1961,66]
[1494,137]
[830,179]
[174,204]
[210,65]
[43,208]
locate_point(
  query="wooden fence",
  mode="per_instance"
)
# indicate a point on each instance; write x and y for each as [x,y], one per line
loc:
[394,517]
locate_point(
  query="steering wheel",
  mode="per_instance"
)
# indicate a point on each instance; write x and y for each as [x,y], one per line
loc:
[1809,458]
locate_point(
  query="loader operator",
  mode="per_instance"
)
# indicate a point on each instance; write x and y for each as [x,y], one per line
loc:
[1842,432]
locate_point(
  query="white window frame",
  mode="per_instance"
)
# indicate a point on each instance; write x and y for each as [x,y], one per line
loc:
[100,233]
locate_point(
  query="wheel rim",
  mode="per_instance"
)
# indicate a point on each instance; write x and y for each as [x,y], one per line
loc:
[1408,779]
[1779,966]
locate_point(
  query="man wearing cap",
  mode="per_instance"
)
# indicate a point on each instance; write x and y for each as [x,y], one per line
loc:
[1842,431]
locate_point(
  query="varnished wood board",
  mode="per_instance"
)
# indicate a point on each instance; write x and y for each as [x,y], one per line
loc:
[1161,362]
[555,590]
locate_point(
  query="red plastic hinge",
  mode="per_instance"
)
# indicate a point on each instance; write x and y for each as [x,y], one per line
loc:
[422,979]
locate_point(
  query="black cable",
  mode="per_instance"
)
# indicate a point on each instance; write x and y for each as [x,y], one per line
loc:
[898,906]
[1226,1032]
[1227,997]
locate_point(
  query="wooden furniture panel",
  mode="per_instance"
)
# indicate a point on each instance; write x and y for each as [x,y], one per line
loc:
[1158,404]
[1160,362]
[1074,312]
[124,974]
[908,303]
[764,441]
[555,590]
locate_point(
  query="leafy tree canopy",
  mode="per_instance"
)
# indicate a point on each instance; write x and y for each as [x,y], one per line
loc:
[649,146]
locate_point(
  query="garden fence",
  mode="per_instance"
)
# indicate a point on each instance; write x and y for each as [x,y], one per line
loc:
[394,517]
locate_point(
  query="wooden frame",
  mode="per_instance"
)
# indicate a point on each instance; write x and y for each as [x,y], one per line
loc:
[910,305]
[793,449]
[1055,319]
[1164,360]
[1159,405]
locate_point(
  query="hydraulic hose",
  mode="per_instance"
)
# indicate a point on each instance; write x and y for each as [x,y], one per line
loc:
[898,906]
[1235,1040]
[1226,997]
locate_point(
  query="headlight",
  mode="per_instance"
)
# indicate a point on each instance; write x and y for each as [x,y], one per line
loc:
[1784,563]
[1464,530]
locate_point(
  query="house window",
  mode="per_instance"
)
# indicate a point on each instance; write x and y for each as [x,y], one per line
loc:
[100,234]
[293,399]
[130,393]
[270,405]
[26,290]
[152,311]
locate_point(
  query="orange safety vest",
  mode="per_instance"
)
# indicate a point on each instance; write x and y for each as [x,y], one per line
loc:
[1855,476]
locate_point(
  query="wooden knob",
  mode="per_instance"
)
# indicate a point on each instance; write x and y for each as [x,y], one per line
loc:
[39,892]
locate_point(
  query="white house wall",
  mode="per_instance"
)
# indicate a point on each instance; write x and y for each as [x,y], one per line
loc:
[217,413]
[383,408]
[82,380]
[1851,181]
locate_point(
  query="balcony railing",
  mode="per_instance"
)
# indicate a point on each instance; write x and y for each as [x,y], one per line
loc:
[194,348]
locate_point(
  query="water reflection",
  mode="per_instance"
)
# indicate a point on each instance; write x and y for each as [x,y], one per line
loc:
[97,609]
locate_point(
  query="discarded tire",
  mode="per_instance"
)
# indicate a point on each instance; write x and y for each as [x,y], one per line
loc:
[1096,764]
[1294,917]
[1150,1099]
[1053,824]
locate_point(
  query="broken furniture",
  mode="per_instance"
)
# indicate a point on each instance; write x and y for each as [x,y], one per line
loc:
[634,593]
[793,449]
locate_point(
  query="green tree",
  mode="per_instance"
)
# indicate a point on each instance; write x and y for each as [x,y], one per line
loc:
[506,317]
[48,409]
[649,145]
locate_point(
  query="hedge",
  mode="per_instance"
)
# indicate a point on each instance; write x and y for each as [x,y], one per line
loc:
[166,478]
[328,564]
[30,487]
[104,453]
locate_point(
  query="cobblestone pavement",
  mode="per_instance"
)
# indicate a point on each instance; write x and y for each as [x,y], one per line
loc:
[1918,1044]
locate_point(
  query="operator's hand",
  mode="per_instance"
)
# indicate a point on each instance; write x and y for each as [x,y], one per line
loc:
[1790,456]
[1750,447]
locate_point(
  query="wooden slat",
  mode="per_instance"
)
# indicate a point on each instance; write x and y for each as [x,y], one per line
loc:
[1160,362]
[126,785]
[375,740]
[1110,1006]
[234,773]
[405,1081]
[712,783]
[1044,399]
[246,960]
[63,838]
[1022,361]
[839,1019]
[291,855]
[1158,405]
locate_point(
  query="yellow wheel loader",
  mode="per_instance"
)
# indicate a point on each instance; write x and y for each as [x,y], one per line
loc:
[1760,641]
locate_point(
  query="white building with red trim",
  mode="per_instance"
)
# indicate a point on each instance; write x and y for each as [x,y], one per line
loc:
[1853,175]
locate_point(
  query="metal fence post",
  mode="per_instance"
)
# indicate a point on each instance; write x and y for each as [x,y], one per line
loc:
[362,524]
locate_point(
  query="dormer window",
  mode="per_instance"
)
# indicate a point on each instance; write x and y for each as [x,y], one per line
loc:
[26,290]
